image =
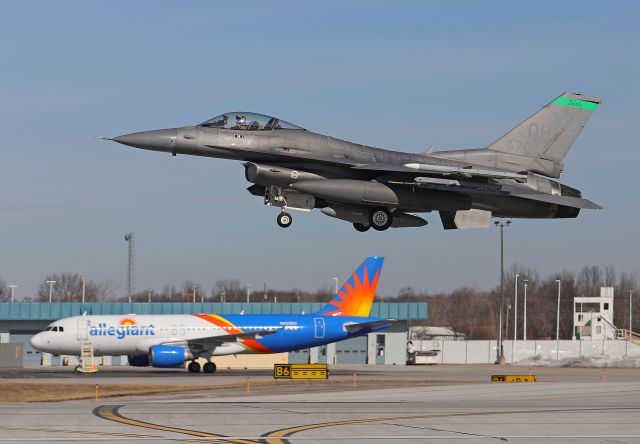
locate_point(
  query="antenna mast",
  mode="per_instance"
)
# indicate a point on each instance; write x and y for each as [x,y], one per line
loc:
[130,287]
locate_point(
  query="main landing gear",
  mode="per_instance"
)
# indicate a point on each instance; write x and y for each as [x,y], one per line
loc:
[380,219]
[284,219]
[194,367]
[361,227]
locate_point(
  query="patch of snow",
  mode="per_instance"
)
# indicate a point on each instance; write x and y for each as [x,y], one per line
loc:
[595,361]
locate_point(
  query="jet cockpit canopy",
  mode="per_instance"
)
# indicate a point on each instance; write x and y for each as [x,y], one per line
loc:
[248,122]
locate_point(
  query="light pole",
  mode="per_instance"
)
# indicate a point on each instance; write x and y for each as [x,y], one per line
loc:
[222,297]
[51,283]
[13,287]
[558,323]
[515,311]
[500,350]
[84,289]
[630,306]
[248,291]
[195,290]
[524,327]
[337,281]
[150,291]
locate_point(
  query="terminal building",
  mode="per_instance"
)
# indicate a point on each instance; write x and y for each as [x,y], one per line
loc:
[20,321]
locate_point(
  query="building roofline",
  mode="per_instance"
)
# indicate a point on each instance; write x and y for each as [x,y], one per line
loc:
[34,311]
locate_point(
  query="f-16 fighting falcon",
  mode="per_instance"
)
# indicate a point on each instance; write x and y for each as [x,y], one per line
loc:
[293,168]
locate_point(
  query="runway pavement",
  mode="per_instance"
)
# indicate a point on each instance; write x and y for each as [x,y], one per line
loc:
[578,409]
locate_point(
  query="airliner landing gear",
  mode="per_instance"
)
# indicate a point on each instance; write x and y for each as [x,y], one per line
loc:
[361,227]
[380,219]
[209,367]
[284,219]
[193,367]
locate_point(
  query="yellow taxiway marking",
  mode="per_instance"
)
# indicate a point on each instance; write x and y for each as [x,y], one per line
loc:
[82,432]
[279,436]
[111,413]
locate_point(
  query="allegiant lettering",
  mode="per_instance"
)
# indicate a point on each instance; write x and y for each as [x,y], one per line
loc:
[122,331]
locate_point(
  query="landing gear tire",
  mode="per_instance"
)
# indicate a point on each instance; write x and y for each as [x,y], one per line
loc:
[284,219]
[209,367]
[361,227]
[380,219]
[193,367]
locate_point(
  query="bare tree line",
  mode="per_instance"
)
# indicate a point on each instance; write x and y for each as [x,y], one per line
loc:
[467,310]
[476,312]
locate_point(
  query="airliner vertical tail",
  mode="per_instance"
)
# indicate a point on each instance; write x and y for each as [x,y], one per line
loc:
[356,295]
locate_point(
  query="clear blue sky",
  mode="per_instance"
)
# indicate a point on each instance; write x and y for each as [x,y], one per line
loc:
[403,75]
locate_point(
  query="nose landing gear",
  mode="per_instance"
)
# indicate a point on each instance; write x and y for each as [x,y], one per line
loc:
[284,219]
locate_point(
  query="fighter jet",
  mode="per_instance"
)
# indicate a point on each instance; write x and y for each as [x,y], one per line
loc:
[294,168]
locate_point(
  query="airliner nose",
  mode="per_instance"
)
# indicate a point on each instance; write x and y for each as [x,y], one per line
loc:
[159,140]
[36,341]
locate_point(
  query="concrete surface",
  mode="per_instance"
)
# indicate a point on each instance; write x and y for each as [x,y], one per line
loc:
[574,405]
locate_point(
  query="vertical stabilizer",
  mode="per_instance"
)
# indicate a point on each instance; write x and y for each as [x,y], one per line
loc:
[547,136]
[356,295]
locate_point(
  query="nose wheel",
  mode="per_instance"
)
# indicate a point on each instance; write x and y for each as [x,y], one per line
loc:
[284,219]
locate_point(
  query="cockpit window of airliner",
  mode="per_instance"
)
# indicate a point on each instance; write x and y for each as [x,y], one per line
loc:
[248,122]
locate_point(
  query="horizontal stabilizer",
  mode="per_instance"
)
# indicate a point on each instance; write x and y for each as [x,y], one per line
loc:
[373,325]
[567,201]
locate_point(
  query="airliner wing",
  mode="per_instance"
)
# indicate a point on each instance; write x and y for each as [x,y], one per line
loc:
[221,339]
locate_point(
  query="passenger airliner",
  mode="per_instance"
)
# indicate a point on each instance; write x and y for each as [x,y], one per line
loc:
[172,340]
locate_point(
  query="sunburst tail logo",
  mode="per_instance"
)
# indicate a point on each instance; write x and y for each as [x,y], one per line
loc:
[356,295]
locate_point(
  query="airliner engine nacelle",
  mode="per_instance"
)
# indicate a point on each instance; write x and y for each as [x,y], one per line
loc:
[168,356]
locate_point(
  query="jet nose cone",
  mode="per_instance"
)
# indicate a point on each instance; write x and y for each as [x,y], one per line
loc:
[159,140]
[36,341]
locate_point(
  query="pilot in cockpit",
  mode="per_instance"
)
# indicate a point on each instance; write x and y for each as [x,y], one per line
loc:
[241,122]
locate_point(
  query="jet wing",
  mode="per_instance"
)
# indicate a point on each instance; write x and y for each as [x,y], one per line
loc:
[354,327]
[444,170]
[496,189]
[208,341]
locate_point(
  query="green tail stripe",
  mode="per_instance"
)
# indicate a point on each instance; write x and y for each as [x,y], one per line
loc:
[575,103]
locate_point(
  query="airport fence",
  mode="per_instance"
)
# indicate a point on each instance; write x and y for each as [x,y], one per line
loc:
[486,352]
